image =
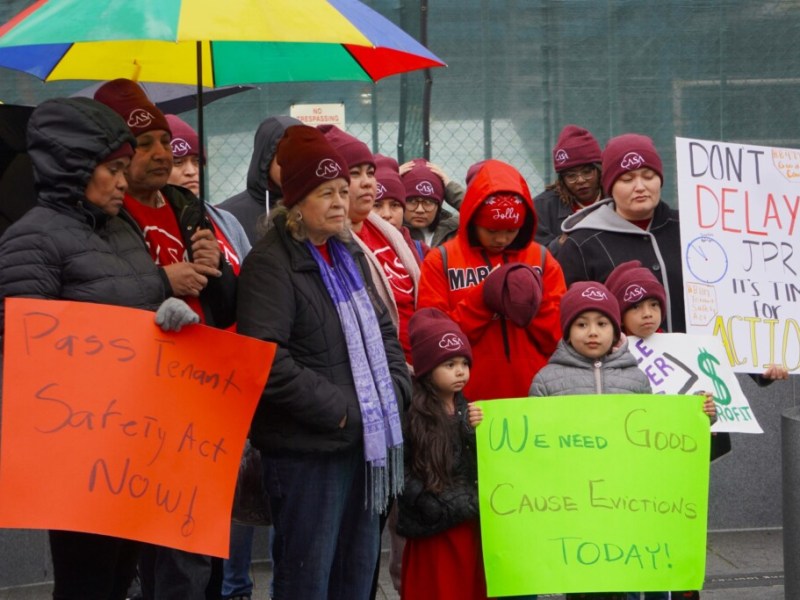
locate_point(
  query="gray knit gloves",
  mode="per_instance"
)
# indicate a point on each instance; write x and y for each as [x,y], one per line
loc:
[174,313]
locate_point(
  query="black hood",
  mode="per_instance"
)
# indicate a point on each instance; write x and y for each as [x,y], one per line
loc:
[67,139]
[265,143]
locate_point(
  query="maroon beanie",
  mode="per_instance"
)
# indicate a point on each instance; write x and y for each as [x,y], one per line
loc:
[184,139]
[389,184]
[351,149]
[307,160]
[421,182]
[631,283]
[629,152]
[514,291]
[583,296]
[575,147]
[473,170]
[434,338]
[124,151]
[129,101]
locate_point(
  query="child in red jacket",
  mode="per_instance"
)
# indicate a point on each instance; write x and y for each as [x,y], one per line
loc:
[502,288]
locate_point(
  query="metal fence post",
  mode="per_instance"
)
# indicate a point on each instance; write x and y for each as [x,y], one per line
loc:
[790,453]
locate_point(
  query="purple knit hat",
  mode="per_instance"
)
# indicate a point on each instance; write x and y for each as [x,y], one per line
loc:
[631,283]
[629,152]
[575,147]
[583,296]
[434,338]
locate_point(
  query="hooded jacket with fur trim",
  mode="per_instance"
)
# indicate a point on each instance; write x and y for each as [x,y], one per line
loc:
[506,356]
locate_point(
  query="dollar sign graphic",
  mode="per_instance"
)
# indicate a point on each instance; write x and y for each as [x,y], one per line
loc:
[706,362]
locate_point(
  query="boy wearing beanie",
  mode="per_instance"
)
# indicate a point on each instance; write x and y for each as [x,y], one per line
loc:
[592,358]
[592,344]
[576,160]
[641,298]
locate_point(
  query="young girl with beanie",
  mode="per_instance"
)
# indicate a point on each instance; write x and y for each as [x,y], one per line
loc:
[439,505]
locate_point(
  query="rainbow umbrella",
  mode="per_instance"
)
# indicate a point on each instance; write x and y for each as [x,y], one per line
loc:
[216,42]
[208,42]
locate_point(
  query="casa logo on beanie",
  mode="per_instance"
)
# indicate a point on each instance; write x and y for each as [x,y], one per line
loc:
[561,156]
[634,293]
[180,147]
[328,169]
[450,341]
[595,294]
[380,191]
[426,189]
[632,161]
[139,117]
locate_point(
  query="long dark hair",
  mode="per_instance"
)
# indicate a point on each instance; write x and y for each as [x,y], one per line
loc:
[432,435]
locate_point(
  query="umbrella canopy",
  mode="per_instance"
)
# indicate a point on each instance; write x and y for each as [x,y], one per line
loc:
[241,41]
[176,98]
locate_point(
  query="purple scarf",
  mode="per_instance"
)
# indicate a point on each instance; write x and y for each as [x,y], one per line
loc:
[383,437]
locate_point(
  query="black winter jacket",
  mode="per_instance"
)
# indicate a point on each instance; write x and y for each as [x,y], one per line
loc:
[423,513]
[598,239]
[550,214]
[65,248]
[310,389]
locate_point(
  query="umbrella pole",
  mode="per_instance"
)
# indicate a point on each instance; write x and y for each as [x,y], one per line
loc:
[200,128]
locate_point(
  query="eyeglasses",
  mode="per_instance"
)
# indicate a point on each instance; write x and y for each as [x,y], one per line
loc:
[585,173]
[427,203]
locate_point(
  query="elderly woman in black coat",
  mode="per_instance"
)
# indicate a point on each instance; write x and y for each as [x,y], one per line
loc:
[328,424]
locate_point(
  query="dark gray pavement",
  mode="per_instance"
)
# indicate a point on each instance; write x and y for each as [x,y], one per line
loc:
[741,565]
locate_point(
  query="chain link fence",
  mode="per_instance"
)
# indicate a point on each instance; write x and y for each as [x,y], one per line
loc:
[519,70]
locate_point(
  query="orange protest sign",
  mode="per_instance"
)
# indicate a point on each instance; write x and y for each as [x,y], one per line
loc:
[113,426]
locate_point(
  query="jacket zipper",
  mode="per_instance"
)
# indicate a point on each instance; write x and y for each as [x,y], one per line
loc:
[598,376]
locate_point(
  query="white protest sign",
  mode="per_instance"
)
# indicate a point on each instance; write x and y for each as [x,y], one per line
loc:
[739,207]
[677,363]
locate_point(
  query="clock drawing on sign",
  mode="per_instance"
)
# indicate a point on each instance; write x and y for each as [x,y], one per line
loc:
[706,259]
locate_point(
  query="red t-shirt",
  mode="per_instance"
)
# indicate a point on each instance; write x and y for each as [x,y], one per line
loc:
[399,279]
[162,234]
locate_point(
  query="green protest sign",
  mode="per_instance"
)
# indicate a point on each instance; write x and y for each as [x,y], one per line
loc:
[593,493]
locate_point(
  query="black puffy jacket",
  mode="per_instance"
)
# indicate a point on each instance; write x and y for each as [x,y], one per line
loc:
[65,248]
[310,389]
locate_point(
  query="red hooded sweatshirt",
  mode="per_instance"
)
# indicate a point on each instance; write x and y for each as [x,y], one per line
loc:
[506,357]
